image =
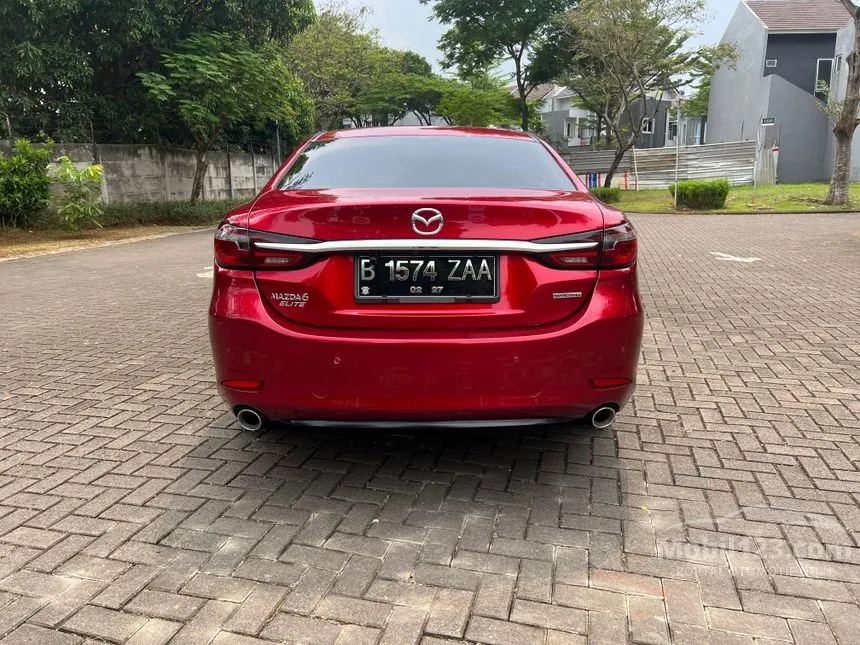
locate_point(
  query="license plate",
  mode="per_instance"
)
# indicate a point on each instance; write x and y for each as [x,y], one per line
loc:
[427,278]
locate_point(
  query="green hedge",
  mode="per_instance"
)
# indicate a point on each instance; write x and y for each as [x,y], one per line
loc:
[702,195]
[25,187]
[168,213]
[607,195]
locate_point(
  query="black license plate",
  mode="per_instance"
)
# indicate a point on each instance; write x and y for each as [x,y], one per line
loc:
[427,278]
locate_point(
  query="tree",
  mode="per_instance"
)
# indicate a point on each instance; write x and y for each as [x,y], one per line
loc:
[844,115]
[69,68]
[698,104]
[634,52]
[481,100]
[483,32]
[338,60]
[218,80]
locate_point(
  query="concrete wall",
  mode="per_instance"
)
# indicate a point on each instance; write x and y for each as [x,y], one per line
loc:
[797,56]
[803,131]
[143,173]
[738,100]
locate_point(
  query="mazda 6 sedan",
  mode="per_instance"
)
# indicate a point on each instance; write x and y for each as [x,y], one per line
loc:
[426,276]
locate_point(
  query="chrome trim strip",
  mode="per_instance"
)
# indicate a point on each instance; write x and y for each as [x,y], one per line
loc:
[498,246]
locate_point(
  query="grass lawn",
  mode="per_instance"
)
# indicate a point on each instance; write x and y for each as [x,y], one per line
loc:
[791,198]
[23,242]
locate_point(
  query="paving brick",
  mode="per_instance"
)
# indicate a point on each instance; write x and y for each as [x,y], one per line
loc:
[34,635]
[108,624]
[159,604]
[756,625]
[498,632]
[404,627]
[727,488]
[550,616]
[301,630]
[256,610]
[345,609]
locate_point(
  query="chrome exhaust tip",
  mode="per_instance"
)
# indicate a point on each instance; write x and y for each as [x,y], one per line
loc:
[250,419]
[603,417]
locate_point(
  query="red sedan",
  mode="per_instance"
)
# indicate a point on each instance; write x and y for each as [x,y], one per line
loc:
[425,276]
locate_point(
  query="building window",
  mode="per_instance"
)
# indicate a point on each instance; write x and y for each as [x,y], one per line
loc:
[647,126]
[770,63]
[567,126]
[839,63]
[823,78]
[673,131]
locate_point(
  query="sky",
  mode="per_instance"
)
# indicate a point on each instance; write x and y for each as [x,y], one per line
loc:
[406,24]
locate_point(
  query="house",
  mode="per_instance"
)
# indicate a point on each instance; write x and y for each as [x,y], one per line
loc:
[568,126]
[660,123]
[789,53]
[564,123]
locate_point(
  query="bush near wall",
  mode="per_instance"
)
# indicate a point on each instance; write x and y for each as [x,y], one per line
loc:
[25,188]
[607,195]
[702,195]
[168,213]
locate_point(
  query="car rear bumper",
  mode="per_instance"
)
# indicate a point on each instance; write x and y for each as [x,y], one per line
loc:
[342,375]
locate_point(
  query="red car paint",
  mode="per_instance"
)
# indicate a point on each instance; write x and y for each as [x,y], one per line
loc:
[293,341]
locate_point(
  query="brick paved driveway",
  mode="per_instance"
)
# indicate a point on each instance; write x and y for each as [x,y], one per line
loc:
[723,507]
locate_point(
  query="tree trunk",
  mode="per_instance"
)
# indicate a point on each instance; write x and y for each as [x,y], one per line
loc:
[521,90]
[199,173]
[616,162]
[846,125]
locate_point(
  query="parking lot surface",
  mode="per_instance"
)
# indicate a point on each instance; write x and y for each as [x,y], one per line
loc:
[722,507]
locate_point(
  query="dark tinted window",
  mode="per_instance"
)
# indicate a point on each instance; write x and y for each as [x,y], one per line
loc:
[426,162]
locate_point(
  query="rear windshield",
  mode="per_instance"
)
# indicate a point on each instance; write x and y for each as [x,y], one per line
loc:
[437,161]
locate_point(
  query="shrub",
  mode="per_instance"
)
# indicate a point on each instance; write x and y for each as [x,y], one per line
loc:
[78,200]
[168,213]
[702,195]
[607,195]
[25,188]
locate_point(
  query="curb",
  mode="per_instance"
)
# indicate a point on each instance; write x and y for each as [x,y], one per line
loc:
[99,245]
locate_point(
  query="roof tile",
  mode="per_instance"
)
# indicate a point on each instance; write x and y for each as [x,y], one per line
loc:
[801,15]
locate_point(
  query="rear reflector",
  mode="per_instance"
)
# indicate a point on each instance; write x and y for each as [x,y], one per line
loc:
[607,383]
[246,385]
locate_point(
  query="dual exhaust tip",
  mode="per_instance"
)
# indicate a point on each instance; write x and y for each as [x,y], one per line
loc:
[250,419]
[253,421]
[603,417]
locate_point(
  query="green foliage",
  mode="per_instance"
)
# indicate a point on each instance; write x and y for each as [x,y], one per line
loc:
[481,101]
[607,195]
[404,83]
[77,203]
[69,65]
[25,188]
[168,213]
[702,195]
[338,60]
[218,80]
[483,32]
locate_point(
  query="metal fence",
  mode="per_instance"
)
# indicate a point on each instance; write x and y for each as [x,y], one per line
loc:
[655,168]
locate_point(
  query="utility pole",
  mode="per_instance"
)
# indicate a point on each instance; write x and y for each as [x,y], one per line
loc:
[677,148]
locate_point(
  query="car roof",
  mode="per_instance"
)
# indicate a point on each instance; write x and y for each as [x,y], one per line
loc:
[426,130]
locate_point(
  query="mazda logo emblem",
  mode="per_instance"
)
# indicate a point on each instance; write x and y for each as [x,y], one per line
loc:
[427,221]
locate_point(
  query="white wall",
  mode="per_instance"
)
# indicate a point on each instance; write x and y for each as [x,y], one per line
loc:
[739,97]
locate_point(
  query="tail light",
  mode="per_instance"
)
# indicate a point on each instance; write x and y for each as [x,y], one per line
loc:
[235,249]
[616,248]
